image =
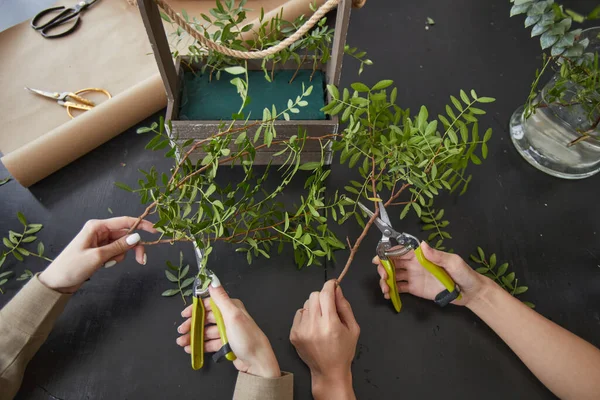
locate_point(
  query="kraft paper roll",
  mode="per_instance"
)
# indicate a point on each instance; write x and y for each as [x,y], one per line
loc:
[62,145]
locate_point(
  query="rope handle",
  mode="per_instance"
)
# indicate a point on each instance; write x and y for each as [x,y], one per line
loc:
[248,55]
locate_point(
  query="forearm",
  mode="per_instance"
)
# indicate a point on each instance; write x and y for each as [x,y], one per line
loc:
[566,364]
[25,322]
[339,388]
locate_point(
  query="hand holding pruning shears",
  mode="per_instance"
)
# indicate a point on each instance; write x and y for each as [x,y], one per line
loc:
[406,244]
[411,277]
[252,349]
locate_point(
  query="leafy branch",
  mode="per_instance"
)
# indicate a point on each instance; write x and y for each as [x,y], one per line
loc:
[180,278]
[14,244]
[499,274]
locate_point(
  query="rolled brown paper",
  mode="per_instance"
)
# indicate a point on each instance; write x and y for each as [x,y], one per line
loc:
[66,143]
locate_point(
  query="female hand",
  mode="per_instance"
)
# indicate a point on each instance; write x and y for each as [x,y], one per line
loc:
[251,346]
[325,334]
[413,278]
[99,243]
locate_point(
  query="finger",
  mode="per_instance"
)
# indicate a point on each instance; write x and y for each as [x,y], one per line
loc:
[211,332]
[401,275]
[183,340]
[117,234]
[210,318]
[403,287]
[140,255]
[114,261]
[385,289]
[344,309]
[187,312]
[297,319]
[376,260]
[118,247]
[220,297]
[314,305]
[382,272]
[450,262]
[188,349]
[212,346]
[185,327]
[305,306]
[127,222]
[327,299]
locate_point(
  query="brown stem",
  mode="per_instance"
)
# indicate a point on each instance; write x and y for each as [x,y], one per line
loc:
[299,65]
[354,248]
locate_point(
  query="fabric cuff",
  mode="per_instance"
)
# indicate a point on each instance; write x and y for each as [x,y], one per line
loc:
[251,387]
[34,308]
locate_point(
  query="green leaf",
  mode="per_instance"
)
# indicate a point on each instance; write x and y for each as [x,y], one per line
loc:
[29,239]
[486,99]
[417,208]
[405,211]
[123,186]
[287,223]
[482,270]
[310,166]
[333,91]
[187,282]
[360,87]
[3,281]
[4,181]
[5,274]
[510,277]
[493,260]
[236,70]
[185,271]
[382,84]
[528,304]
[170,292]
[464,97]
[7,243]
[211,189]
[502,269]
[170,276]
[17,256]
[306,239]
[521,289]
[22,218]
[40,249]
[188,292]
[430,21]
[481,253]
[33,228]
[165,17]
[23,251]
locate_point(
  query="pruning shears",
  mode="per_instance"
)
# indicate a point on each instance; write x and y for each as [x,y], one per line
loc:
[200,291]
[407,243]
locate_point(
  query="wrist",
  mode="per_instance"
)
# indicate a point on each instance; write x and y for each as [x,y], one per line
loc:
[483,295]
[48,279]
[265,365]
[328,386]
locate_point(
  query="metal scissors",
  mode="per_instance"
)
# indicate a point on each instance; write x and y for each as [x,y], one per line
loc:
[407,243]
[200,292]
[65,14]
[72,99]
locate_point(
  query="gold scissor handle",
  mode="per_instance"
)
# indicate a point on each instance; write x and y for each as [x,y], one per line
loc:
[87,104]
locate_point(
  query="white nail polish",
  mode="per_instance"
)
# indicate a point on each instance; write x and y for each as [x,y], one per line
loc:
[133,239]
[215,282]
[144,259]
[110,263]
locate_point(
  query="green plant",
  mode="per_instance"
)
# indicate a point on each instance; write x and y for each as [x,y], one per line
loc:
[4,181]
[499,274]
[179,276]
[14,244]
[227,25]
[577,80]
[408,158]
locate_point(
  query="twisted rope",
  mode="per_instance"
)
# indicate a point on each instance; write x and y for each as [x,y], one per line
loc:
[248,55]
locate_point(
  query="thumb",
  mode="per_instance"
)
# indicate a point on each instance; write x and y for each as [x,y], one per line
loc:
[119,246]
[220,296]
[450,262]
[344,309]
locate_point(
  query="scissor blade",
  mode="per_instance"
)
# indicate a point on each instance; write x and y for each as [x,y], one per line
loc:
[384,215]
[52,95]
[199,256]
[379,223]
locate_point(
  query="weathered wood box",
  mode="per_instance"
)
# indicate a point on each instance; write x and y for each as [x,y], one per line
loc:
[184,127]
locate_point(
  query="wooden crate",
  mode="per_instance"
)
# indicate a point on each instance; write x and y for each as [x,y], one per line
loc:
[172,75]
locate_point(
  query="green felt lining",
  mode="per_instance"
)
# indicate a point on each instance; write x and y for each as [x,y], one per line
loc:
[203,100]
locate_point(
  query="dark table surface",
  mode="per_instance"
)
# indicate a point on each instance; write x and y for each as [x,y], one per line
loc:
[116,339]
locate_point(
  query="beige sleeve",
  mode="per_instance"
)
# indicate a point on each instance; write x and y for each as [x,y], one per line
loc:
[250,387]
[25,323]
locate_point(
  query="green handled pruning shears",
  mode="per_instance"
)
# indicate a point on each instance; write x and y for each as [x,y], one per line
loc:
[407,242]
[200,291]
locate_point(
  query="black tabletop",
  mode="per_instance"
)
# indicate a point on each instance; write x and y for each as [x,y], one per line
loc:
[116,339]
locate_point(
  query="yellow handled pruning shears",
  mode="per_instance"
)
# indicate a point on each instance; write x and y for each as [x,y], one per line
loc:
[407,243]
[200,291]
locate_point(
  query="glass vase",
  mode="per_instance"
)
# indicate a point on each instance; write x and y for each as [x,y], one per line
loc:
[550,138]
